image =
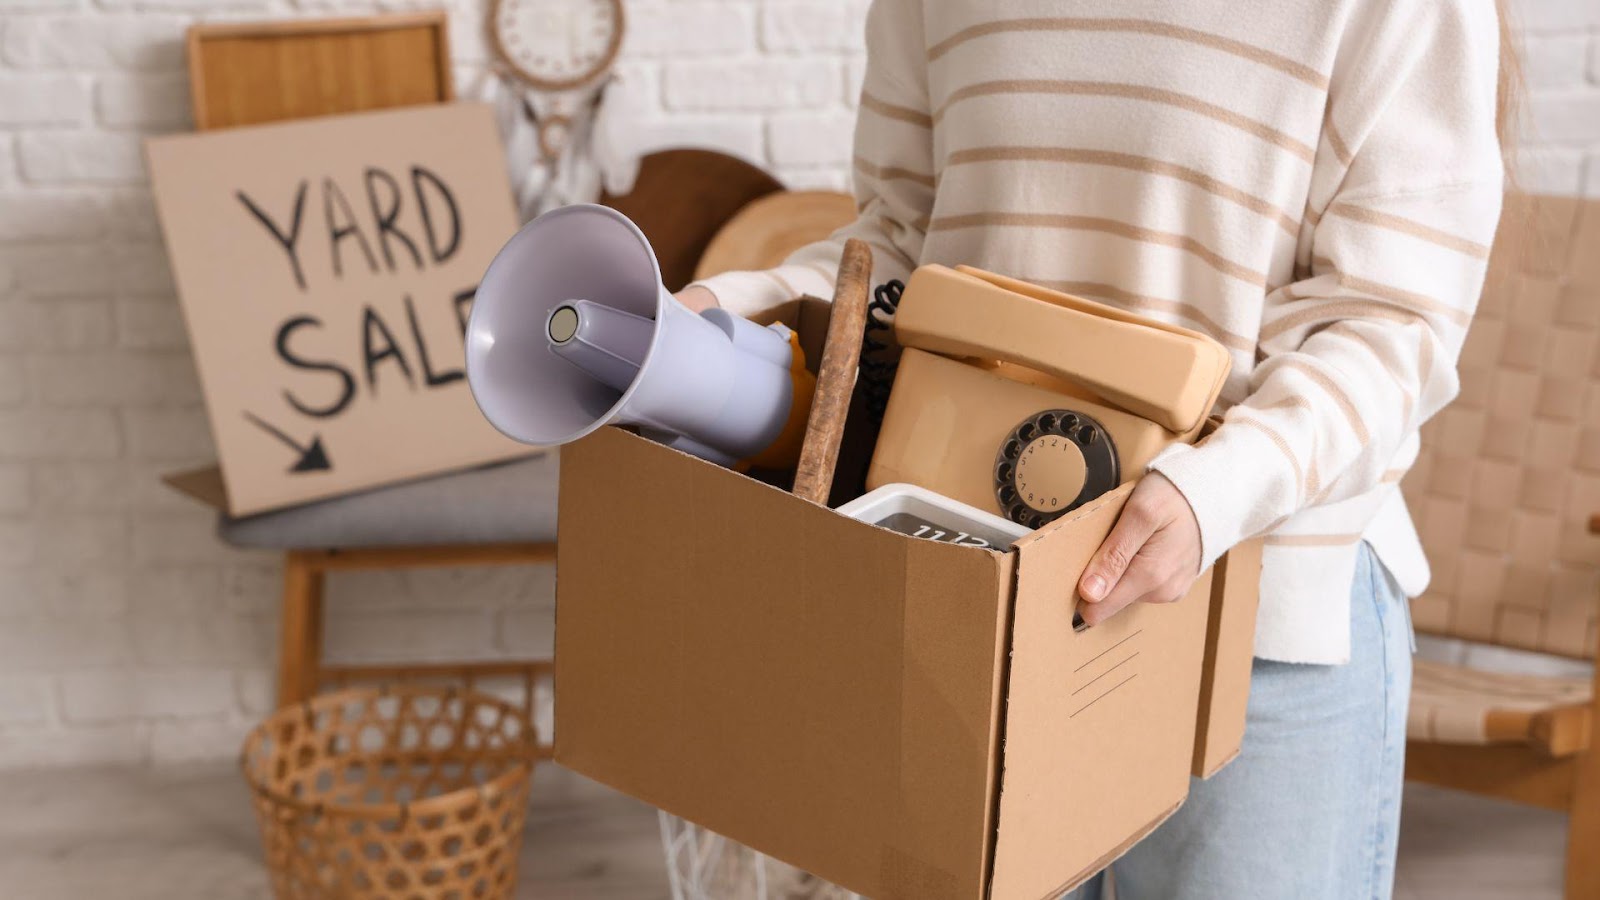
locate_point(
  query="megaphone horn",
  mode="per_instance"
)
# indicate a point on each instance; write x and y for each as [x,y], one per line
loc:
[571,329]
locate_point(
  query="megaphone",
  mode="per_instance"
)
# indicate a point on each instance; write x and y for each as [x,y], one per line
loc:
[571,329]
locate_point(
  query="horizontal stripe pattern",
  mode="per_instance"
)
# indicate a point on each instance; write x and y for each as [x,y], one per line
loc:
[892,173]
[1340,398]
[1333,309]
[1341,150]
[1422,303]
[1296,70]
[789,290]
[882,246]
[1410,227]
[821,271]
[1194,165]
[1104,226]
[1174,99]
[1131,162]
[1310,540]
[1424,360]
[1386,356]
[892,111]
[1279,442]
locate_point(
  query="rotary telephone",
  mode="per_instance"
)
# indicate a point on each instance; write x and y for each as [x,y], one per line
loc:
[1028,402]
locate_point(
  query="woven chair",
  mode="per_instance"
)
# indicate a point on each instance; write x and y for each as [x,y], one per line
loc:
[1503,495]
[504,514]
[243,73]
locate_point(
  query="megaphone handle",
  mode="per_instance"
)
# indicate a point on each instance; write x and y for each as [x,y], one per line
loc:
[836,375]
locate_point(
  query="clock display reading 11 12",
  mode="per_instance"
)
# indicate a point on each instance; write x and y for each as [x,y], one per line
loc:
[557,44]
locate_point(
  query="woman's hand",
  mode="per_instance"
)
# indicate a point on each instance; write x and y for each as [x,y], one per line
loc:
[697,298]
[1152,555]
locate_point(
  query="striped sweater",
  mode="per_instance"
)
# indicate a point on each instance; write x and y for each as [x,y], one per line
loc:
[1314,183]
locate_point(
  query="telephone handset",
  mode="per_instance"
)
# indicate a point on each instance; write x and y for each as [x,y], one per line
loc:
[1029,402]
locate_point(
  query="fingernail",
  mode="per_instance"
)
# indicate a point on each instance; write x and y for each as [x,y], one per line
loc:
[1094,587]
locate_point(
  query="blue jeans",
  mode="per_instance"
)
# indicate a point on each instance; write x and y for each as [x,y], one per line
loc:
[1311,808]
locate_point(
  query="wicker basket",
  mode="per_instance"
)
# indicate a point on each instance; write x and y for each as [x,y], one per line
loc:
[402,792]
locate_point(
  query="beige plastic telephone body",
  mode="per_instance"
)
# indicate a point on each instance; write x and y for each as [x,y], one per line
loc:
[968,313]
[982,353]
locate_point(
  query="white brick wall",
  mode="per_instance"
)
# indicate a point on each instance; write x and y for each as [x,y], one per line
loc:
[127,633]
[1560,49]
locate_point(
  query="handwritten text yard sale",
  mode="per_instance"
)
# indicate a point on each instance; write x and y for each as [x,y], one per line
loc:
[409,221]
[326,269]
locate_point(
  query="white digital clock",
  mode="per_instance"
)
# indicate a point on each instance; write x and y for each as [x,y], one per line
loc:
[921,513]
[557,45]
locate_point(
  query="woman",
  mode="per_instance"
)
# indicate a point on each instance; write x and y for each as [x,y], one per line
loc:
[1315,184]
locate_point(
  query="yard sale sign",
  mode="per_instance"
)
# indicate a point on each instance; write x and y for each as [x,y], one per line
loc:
[326,269]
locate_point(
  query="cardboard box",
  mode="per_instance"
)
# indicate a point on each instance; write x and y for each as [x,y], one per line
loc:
[906,718]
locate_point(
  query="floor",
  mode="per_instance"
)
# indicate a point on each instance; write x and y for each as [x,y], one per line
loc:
[182,834]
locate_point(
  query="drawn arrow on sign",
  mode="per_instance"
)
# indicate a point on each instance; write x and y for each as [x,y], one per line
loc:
[312,458]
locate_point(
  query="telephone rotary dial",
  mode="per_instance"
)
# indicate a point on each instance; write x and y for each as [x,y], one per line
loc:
[1053,463]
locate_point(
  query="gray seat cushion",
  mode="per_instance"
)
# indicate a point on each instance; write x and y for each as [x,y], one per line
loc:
[511,502]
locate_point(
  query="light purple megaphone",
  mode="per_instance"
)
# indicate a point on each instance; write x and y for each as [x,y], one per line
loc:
[571,329]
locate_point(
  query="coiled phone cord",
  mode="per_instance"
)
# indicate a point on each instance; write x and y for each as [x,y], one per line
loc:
[877,364]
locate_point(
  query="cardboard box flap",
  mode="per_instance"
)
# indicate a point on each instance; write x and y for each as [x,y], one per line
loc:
[1098,733]
[1230,645]
[808,316]
[765,647]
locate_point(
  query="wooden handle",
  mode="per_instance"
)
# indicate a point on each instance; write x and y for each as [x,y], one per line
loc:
[836,375]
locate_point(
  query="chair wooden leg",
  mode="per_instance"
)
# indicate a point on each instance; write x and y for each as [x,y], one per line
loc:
[300,638]
[1583,834]
[1583,826]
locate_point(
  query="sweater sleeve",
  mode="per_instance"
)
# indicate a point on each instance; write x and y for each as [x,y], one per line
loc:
[893,174]
[1362,348]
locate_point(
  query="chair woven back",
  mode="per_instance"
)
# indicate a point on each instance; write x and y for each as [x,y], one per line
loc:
[1510,472]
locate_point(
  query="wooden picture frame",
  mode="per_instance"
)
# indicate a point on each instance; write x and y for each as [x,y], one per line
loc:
[255,72]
